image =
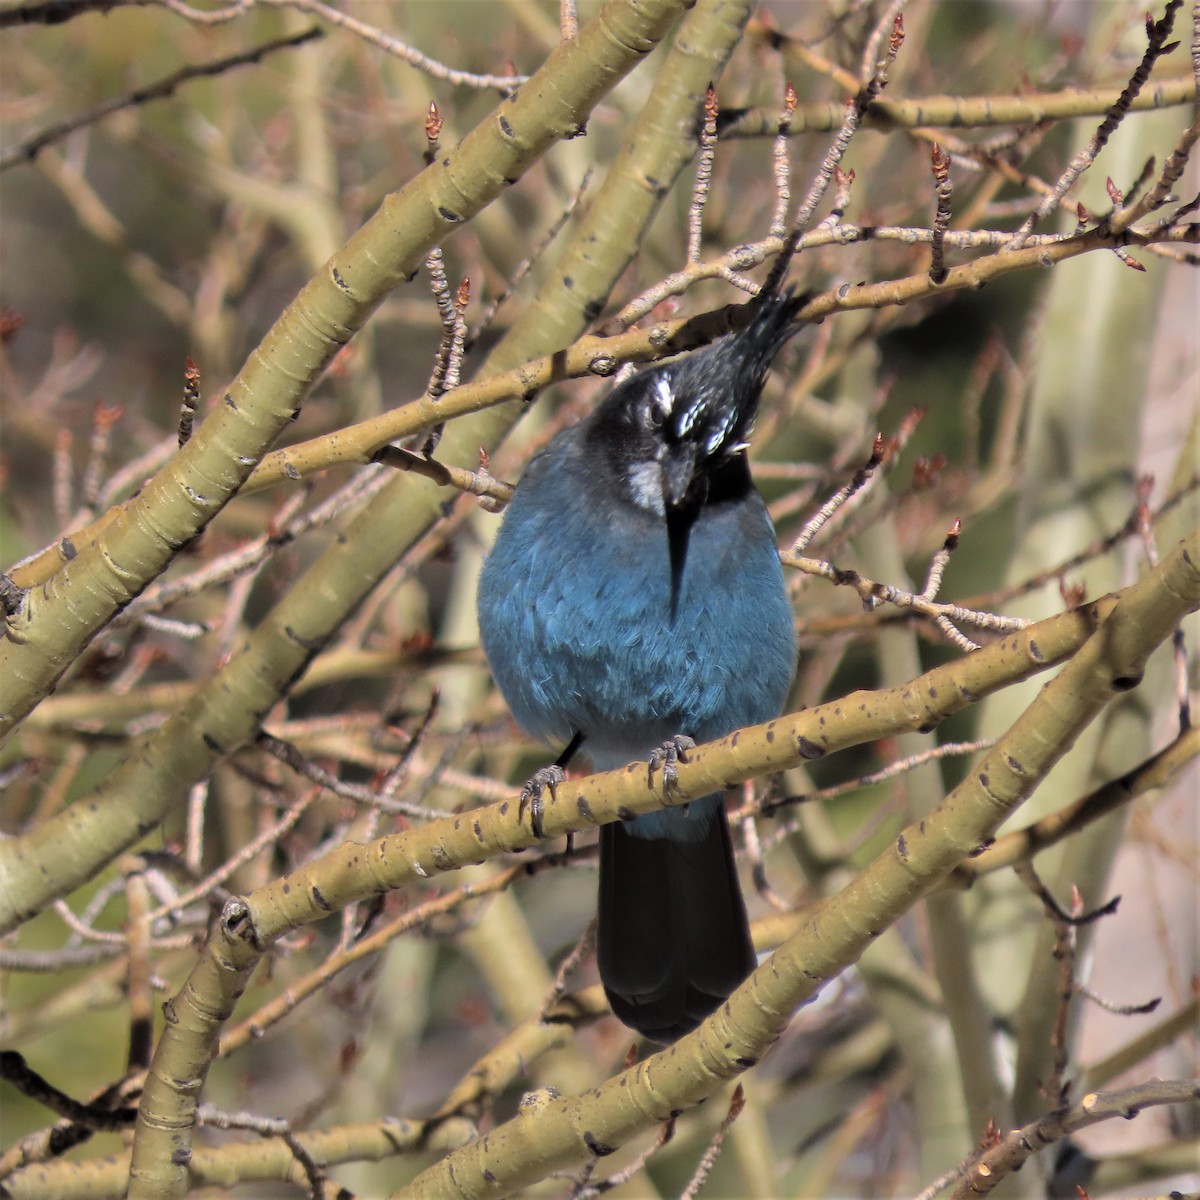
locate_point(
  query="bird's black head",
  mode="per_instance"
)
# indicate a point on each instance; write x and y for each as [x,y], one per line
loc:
[675,435]
[669,430]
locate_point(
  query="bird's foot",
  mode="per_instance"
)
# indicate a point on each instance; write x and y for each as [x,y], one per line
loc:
[666,758]
[531,795]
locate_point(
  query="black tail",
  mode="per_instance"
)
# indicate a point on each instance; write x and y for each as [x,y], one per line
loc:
[672,938]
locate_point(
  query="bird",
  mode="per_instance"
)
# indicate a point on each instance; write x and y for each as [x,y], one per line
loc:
[633,604]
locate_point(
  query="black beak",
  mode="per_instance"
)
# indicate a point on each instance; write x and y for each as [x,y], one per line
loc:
[721,386]
[679,468]
[684,487]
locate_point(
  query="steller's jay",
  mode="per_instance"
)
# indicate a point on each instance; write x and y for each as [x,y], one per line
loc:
[634,600]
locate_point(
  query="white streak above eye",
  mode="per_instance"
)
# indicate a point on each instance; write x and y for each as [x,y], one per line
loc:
[689,416]
[718,436]
[663,397]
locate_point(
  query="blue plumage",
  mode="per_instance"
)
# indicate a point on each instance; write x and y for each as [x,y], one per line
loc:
[635,593]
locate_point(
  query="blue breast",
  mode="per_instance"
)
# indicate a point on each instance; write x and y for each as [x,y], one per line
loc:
[574,614]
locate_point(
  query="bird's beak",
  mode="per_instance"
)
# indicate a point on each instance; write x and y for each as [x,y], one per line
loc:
[678,471]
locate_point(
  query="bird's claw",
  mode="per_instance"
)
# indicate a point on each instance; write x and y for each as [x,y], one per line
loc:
[531,795]
[666,758]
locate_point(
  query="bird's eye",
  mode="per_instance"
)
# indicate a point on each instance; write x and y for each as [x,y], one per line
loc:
[652,418]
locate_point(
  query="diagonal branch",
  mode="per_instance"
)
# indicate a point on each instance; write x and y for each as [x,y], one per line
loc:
[98,578]
[29,149]
[1109,661]
[577,1128]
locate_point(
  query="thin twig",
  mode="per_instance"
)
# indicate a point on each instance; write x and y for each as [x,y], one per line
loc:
[584,945]
[29,149]
[1017,1147]
[781,166]
[61,483]
[474,483]
[568,20]
[268,837]
[285,528]
[393,46]
[209,1114]
[856,107]
[770,807]
[758,869]
[16,1071]
[708,1160]
[103,420]
[190,402]
[292,756]
[138,985]
[1157,33]
[825,513]
[708,153]
[1120,1010]
[941,219]
[522,269]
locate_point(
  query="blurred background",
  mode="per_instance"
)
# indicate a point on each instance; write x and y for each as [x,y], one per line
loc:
[180,227]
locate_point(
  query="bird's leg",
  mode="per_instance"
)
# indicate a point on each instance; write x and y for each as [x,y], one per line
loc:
[531,795]
[543,778]
[665,758]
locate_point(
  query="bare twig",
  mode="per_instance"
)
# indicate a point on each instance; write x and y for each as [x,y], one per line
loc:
[1015,1148]
[104,418]
[447,361]
[291,755]
[29,149]
[268,837]
[567,968]
[1076,917]
[704,1168]
[95,1117]
[1120,1010]
[781,167]
[209,1114]
[112,1110]
[287,525]
[394,46]
[855,110]
[413,918]
[901,767]
[56,12]
[1157,33]
[474,483]
[754,856]
[137,929]
[522,269]
[619,1178]
[191,401]
[568,19]
[941,219]
[708,153]
[826,512]
[62,484]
